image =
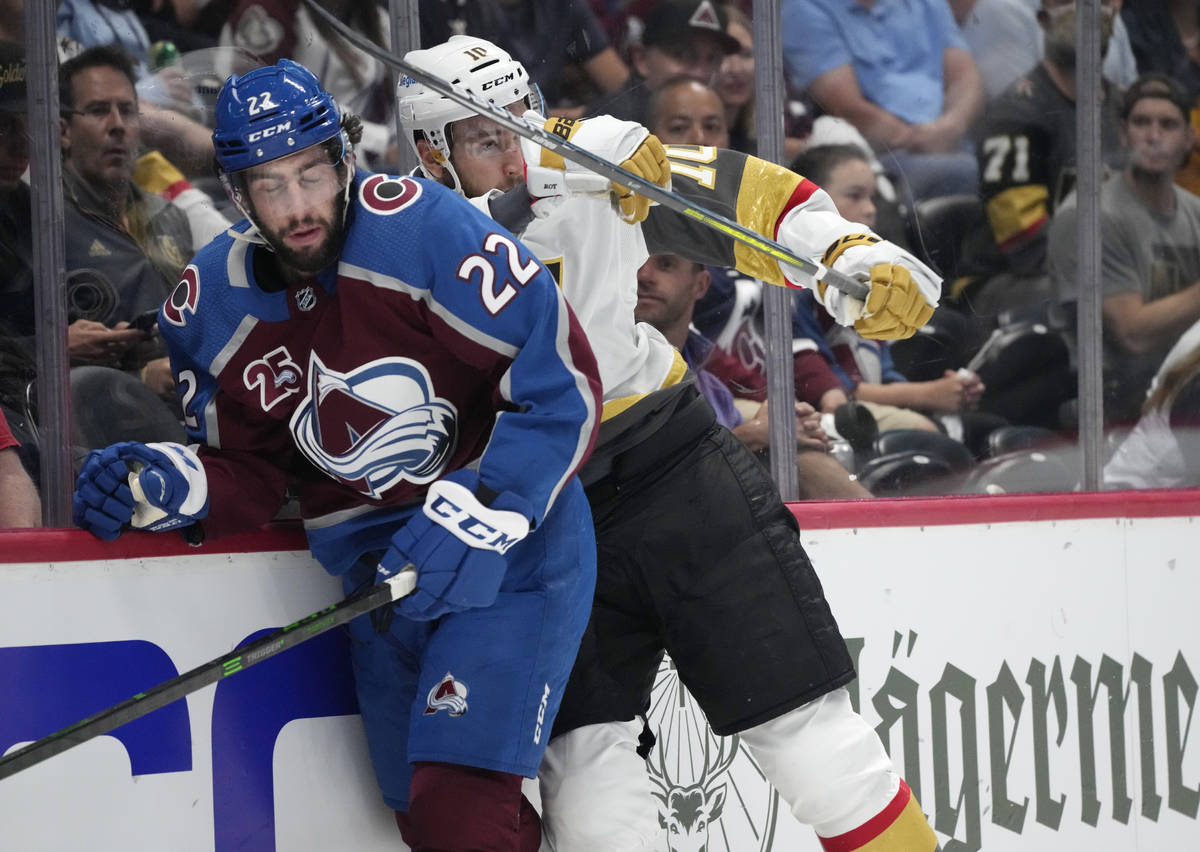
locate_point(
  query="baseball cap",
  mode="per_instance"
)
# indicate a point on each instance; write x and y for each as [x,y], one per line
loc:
[675,20]
[1156,86]
[12,77]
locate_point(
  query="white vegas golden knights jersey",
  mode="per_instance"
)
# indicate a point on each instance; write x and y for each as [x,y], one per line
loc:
[595,255]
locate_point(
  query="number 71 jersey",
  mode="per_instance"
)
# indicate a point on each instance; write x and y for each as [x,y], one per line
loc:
[435,340]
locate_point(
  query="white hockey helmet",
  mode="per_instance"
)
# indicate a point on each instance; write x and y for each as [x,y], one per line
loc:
[469,63]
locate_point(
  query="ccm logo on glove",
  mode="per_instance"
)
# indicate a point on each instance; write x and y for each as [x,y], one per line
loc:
[456,509]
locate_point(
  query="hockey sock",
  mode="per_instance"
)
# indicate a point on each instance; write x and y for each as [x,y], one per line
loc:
[830,767]
[455,808]
[899,827]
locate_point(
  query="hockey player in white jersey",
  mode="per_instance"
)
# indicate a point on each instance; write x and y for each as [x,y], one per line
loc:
[697,554]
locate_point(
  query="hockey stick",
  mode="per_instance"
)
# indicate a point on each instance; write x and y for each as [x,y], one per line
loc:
[569,151]
[235,661]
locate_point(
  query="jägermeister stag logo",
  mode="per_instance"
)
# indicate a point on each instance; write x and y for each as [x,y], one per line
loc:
[712,797]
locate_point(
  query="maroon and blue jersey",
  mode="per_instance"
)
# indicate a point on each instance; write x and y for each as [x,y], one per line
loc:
[436,341]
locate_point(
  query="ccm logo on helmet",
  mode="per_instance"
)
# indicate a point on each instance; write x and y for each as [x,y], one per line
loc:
[268,132]
[491,84]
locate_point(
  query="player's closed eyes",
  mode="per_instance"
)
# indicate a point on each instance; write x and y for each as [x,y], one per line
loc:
[311,178]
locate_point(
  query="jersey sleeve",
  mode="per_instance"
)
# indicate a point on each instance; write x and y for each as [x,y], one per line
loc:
[755,193]
[758,195]
[496,307]
[245,459]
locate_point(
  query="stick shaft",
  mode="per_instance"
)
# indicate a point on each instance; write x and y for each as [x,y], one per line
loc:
[846,284]
[235,661]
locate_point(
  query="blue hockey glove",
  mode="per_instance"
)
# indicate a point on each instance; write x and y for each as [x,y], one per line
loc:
[458,547]
[103,503]
[152,487]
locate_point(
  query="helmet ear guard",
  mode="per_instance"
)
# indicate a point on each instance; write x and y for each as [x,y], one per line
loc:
[472,64]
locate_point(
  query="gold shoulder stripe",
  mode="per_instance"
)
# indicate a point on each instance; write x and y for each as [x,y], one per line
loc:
[674,376]
[762,193]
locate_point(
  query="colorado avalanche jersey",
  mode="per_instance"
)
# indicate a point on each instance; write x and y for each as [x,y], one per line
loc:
[436,341]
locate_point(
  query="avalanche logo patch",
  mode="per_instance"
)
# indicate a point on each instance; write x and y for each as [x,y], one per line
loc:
[385,195]
[184,298]
[376,425]
[449,695]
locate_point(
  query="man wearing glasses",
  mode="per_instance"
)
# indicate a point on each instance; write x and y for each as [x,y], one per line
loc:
[125,248]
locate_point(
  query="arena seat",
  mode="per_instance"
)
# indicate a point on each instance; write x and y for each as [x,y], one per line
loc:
[908,473]
[952,453]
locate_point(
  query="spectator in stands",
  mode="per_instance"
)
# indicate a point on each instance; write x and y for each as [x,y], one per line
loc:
[19,502]
[188,24]
[553,39]
[678,37]
[668,287]
[187,142]
[16,227]
[1165,37]
[277,29]
[126,249]
[864,367]
[611,15]
[685,112]
[1163,450]
[95,22]
[735,85]
[88,342]
[1026,152]
[901,74]
[1003,38]
[1150,245]
[17,326]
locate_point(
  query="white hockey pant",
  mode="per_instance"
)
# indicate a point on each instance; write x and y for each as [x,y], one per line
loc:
[825,761]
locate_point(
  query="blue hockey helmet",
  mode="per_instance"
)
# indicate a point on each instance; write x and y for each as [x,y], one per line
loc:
[272,112]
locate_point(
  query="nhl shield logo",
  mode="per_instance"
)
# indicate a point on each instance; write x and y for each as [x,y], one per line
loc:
[449,695]
[306,299]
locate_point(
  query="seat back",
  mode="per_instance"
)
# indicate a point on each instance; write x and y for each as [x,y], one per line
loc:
[908,473]
[954,455]
[938,227]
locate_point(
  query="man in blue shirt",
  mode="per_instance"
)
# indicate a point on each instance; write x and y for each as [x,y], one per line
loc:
[899,71]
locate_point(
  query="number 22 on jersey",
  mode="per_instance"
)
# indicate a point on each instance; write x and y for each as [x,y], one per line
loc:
[496,285]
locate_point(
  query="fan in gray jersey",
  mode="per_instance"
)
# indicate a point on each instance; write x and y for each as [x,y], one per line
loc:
[697,554]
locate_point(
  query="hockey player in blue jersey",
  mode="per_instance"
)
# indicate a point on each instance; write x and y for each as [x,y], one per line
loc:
[411,371]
